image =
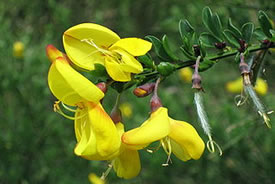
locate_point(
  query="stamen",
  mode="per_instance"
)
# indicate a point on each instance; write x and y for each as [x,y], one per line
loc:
[211,145]
[103,51]
[166,144]
[57,109]
[105,174]
[240,99]
[68,108]
[154,149]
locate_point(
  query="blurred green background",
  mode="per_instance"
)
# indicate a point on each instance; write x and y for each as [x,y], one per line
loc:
[36,144]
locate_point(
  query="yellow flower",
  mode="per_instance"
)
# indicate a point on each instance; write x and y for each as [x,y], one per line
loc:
[127,164]
[126,109]
[185,74]
[94,179]
[176,137]
[88,44]
[18,49]
[96,133]
[236,86]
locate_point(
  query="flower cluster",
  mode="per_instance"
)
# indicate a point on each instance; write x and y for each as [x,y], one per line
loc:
[101,136]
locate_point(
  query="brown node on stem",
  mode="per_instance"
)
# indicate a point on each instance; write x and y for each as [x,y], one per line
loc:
[220,45]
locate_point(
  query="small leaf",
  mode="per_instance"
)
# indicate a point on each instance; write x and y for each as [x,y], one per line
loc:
[265,23]
[259,34]
[187,53]
[206,17]
[231,38]
[234,29]
[247,31]
[185,29]
[208,39]
[99,71]
[273,35]
[158,47]
[166,47]
[217,26]
[146,60]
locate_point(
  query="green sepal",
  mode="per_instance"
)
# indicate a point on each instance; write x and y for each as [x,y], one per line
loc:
[206,64]
[165,68]
[230,37]
[259,34]
[247,31]
[265,23]
[208,39]
[166,47]
[146,60]
[234,29]
[158,47]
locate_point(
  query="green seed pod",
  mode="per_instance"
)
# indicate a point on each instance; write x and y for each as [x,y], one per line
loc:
[165,68]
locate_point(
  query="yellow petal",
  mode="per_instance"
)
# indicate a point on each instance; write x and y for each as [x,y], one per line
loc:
[53,53]
[107,137]
[127,164]
[115,71]
[179,152]
[186,136]
[86,140]
[82,53]
[135,46]
[94,179]
[153,129]
[69,86]
[128,62]
[261,87]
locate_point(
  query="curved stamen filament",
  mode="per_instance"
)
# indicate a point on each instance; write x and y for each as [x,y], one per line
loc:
[103,51]
[240,99]
[57,109]
[105,174]
[153,149]
[211,145]
[68,108]
[166,144]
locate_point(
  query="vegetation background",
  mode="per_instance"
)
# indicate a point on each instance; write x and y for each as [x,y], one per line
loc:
[36,144]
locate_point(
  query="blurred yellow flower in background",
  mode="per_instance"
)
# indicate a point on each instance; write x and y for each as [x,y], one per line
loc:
[18,49]
[126,110]
[185,74]
[94,179]
[236,86]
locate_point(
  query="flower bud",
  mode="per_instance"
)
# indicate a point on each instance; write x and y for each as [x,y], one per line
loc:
[165,68]
[102,86]
[144,90]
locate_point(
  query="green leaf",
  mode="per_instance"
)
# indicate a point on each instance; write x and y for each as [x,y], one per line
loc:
[208,39]
[165,68]
[273,35]
[259,34]
[185,29]
[231,38]
[146,60]
[265,23]
[247,31]
[212,23]
[187,53]
[234,29]
[206,17]
[206,64]
[99,71]
[158,47]
[217,28]
[166,47]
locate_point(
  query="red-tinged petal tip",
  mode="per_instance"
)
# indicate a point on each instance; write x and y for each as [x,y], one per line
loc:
[53,53]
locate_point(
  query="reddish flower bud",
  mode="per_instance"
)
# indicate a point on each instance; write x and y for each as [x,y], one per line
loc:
[102,86]
[144,90]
